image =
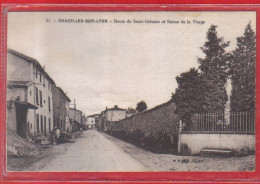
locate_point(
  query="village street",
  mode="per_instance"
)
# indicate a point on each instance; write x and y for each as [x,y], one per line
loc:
[96,151]
[92,152]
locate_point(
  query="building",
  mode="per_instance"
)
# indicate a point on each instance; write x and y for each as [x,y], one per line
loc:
[113,115]
[92,120]
[17,107]
[60,109]
[100,122]
[75,117]
[97,117]
[84,121]
[35,90]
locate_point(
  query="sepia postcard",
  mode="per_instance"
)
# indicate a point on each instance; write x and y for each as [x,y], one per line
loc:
[130,91]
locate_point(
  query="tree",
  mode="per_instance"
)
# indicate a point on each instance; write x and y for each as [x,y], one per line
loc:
[243,72]
[141,106]
[188,97]
[214,71]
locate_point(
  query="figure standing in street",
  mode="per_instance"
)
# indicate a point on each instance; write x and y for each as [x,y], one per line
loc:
[57,133]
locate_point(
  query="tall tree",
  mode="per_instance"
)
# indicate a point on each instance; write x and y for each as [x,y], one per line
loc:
[243,72]
[141,106]
[188,97]
[214,67]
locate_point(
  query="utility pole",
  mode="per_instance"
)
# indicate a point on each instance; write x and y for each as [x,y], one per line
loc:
[74,109]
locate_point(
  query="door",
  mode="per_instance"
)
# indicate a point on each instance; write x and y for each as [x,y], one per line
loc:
[21,118]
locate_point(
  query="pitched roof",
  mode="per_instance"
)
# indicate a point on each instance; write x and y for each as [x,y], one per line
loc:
[93,115]
[63,93]
[21,84]
[30,59]
[75,109]
[115,109]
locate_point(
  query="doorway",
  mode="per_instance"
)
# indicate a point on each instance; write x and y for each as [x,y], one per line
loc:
[21,118]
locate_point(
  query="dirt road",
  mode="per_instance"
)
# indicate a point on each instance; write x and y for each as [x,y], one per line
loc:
[94,152]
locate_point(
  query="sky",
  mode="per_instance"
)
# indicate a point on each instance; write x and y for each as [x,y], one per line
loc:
[105,64]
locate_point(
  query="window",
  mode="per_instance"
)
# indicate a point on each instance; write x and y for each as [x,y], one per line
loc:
[37,98]
[40,97]
[41,122]
[49,124]
[49,103]
[43,81]
[36,73]
[37,125]
[44,123]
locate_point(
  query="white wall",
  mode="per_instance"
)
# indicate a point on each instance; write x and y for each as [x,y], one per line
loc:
[115,115]
[198,141]
[22,70]
[90,120]
[43,110]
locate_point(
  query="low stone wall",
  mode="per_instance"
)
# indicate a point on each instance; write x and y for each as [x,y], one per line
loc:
[157,127]
[193,142]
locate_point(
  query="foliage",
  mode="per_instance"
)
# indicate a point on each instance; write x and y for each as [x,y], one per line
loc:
[141,106]
[214,71]
[188,97]
[203,90]
[243,72]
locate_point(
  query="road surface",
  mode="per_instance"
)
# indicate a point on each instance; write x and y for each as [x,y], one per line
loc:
[94,152]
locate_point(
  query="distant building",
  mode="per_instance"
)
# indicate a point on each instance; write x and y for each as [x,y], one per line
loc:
[113,115]
[60,109]
[29,84]
[75,117]
[100,121]
[92,120]
[84,121]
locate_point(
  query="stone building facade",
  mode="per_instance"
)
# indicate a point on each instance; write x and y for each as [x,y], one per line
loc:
[60,109]
[22,68]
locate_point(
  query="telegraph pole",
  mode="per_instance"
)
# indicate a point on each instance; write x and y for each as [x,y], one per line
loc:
[74,109]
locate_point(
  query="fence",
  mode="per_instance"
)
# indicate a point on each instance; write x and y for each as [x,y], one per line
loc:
[224,122]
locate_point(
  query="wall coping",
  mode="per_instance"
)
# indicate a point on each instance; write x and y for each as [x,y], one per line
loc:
[149,110]
[217,132]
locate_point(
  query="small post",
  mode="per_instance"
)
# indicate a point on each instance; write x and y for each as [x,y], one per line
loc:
[179,138]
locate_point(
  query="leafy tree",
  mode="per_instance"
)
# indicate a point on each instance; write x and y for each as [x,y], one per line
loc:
[243,72]
[141,106]
[189,97]
[214,71]
[203,90]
